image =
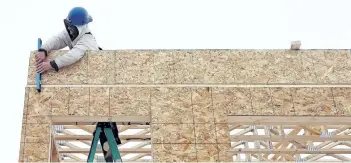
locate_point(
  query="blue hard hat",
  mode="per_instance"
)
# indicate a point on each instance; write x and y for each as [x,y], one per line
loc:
[79,16]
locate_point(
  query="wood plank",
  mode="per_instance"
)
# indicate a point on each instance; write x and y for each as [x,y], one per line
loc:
[289,120]
[289,138]
[328,144]
[90,137]
[341,157]
[311,131]
[243,85]
[139,156]
[291,151]
[86,150]
[291,126]
[285,144]
[55,156]
[92,120]
[140,145]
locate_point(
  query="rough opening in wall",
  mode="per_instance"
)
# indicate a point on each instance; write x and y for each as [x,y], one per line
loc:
[71,143]
[290,143]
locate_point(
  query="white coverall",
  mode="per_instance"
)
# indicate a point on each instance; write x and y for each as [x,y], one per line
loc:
[77,47]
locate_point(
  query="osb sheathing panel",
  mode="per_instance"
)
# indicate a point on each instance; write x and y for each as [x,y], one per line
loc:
[40,103]
[99,104]
[205,133]
[59,104]
[79,99]
[202,105]
[188,152]
[74,74]
[201,66]
[174,153]
[131,67]
[173,133]
[313,101]
[282,101]
[188,124]
[223,150]
[129,101]
[37,133]
[101,68]
[35,137]
[207,152]
[199,105]
[342,99]
[36,152]
[171,105]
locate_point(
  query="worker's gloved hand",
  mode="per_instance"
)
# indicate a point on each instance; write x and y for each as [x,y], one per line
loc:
[44,66]
[40,57]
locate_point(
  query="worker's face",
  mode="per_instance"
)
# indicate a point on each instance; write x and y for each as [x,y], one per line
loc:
[71,29]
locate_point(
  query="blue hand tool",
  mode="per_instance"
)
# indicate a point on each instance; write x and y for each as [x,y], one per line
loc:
[38,81]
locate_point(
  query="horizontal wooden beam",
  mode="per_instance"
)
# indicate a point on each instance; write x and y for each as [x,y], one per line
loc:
[291,151]
[289,138]
[285,126]
[92,120]
[86,150]
[90,137]
[289,120]
[297,85]
[129,126]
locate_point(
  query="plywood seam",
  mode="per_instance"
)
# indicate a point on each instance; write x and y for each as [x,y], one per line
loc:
[151,124]
[252,110]
[109,101]
[215,124]
[50,104]
[69,99]
[292,100]
[334,102]
[271,98]
[193,115]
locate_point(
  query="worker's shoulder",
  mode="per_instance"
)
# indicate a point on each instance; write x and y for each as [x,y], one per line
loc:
[87,37]
[87,40]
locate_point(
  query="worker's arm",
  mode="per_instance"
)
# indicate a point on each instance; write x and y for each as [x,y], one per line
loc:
[56,42]
[72,56]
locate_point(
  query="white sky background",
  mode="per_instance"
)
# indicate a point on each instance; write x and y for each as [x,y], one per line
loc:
[171,24]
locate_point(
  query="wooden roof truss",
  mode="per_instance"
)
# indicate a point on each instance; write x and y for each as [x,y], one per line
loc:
[296,143]
[73,142]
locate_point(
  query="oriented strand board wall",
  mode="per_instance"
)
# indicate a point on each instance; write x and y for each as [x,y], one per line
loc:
[191,120]
[204,66]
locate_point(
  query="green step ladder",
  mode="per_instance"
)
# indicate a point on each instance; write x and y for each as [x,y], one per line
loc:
[106,132]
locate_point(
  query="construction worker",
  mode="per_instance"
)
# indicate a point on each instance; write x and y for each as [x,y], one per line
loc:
[76,36]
